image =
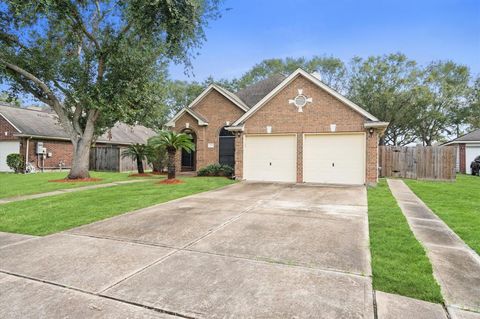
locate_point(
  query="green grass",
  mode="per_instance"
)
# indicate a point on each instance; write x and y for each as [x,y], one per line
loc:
[25,184]
[456,203]
[399,262]
[56,213]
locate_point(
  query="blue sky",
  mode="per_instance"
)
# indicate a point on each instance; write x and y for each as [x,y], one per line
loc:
[251,31]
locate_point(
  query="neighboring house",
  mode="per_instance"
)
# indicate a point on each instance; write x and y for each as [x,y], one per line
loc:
[32,133]
[287,129]
[468,147]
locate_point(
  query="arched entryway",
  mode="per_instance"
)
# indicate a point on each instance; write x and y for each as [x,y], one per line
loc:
[189,159]
[226,149]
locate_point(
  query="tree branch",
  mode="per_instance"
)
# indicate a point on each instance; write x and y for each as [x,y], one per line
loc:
[81,25]
[50,98]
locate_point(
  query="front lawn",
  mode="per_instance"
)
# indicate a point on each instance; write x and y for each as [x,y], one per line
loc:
[25,184]
[399,263]
[56,213]
[456,203]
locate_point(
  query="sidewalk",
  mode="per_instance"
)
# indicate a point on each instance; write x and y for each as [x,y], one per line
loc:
[455,265]
[68,190]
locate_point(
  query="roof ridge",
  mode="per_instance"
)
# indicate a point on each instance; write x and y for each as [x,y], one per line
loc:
[4,104]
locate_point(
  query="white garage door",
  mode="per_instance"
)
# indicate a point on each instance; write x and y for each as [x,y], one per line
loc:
[334,158]
[471,151]
[7,147]
[270,158]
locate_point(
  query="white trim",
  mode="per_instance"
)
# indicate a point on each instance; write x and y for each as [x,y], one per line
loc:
[9,122]
[375,124]
[235,128]
[56,138]
[316,81]
[460,142]
[171,123]
[223,92]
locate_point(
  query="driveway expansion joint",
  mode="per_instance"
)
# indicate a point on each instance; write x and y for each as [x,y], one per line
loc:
[96,294]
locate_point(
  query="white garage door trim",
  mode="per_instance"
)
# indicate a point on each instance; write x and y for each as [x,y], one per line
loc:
[7,147]
[267,162]
[471,151]
[312,173]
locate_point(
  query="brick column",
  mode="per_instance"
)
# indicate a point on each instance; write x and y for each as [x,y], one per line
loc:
[463,168]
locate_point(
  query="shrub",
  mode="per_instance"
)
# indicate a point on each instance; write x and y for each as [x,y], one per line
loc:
[216,170]
[15,162]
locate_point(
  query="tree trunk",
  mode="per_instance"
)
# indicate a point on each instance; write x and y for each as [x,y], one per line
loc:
[81,159]
[171,165]
[157,167]
[139,165]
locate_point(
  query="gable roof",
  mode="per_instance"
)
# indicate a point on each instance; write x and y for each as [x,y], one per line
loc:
[229,95]
[314,80]
[201,120]
[45,125]
[472,137]
[257,91]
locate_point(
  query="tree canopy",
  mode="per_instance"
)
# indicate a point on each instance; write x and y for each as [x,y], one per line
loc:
[422,103]
[96,62]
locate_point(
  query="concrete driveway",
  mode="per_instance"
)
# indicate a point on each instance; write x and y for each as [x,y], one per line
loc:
[255,250]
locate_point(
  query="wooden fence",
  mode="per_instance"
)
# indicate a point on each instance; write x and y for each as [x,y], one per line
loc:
[421,162]
[110,159]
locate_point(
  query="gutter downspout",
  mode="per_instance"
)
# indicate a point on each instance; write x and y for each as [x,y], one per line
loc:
[26,152]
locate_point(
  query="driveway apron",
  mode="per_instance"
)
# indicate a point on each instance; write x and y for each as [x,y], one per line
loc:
[248,250]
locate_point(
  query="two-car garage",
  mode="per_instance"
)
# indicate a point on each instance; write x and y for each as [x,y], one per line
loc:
[332,158]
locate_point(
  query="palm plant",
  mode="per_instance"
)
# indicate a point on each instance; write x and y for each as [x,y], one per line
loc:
[173,142]
[157,156]
[137,152]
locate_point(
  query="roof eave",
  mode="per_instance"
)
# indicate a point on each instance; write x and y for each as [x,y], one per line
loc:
[223,92]
[316,81]
[10,122]
[200,121]
[376,124]
[461,142]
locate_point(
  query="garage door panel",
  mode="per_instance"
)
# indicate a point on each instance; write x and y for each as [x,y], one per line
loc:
[270,158]
[7,147]
[471,151]
[334,158]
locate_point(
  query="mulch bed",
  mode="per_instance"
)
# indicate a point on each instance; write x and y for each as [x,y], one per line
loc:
[158,173]
[78,180]
[140,175]
[170,181]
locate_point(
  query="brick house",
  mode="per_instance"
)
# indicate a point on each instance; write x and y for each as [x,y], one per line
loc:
[288,129]
[41,141]
[468,148]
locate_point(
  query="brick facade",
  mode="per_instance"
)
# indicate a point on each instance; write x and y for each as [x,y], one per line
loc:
[283,118]
[7,131]
[218,110]
[61,151]
[462,155]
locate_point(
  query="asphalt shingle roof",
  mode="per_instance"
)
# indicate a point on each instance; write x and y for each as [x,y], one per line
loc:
[472,136]
[252,94]
[38,123]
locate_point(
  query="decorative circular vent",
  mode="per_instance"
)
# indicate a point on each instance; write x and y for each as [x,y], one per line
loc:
[300,100]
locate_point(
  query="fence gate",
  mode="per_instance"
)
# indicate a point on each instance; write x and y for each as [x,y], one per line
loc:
[105,159]
[421,162]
